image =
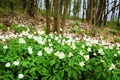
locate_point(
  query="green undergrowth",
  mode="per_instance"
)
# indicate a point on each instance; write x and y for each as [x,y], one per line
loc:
[3,27]
[112,25]
[18,28]
[53,57]
[117,40]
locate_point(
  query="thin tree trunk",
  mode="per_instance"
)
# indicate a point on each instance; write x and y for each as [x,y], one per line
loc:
[113,11]
[48,16]
[74,9]
[118,20]
[61,6]
[65,14]
[70,8]
[12,6]
[57,16]
[105,17]
[84,4]
[25,5]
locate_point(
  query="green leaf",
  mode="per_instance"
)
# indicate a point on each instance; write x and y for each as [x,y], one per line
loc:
[69,73]
[52,78]
[98,69]
[32,70]
[89,67]
[45,71]
[52,62]
[98,75]
[45,78]
[74,74]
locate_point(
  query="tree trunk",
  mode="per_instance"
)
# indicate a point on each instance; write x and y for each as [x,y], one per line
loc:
[74,9]
[48,16]
[113,11]
[105,17]
[84,4]
[25,5]
[12,6]
[65,14]
[61,6]
[70,8]
[118,20]
[57,16]
[101,9]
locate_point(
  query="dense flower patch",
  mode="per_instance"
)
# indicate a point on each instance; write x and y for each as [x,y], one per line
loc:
[53,57]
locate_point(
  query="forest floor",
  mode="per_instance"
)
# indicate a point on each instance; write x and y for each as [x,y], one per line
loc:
[75,28]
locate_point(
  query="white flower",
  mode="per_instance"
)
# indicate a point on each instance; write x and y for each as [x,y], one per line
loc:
[62,43]
[81,53]
[41,32]
[5,47]
[94,54]
[118,44]
[1,37]
[34,32]
[102,60]
[41,42]
[101,51]
[82,64]
[21,41]
[73,46]
[29,36]
[16,63]
[63,40]
[83,46]
[68,43]
[59,41]
[56,38]
[20,76]
[40,53]
[7,64]
[115,55]
[86,57]
[112,67]
[50,44]
[89,49]
[110,47]
[61,55]
[28,29]
[3,40]
[49,40]
[46,49]
[61,29]
[49,51]
[70,54]
[55,32]
[57,53]
[30,50]
[25,33]
[95,41]
[117,48]
[119,52]
[106,47]
[60,36]
[103,42]
[88,44]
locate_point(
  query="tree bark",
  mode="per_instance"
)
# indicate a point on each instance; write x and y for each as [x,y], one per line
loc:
[57,16]
[67,2]
[84,4]
[48,16]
